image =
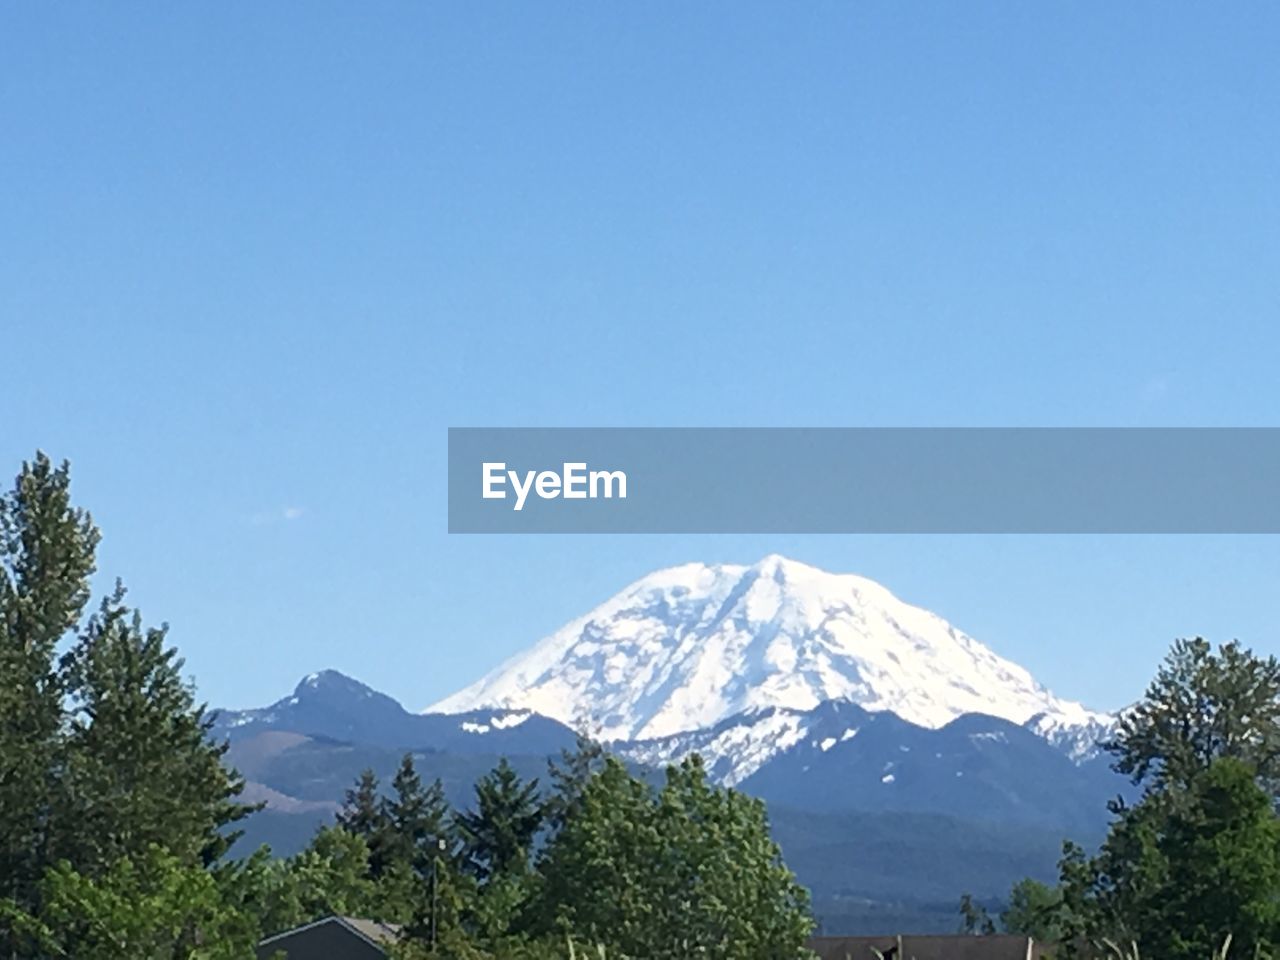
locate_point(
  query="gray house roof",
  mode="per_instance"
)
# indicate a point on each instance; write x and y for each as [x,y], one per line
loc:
[333,938]
[944,947]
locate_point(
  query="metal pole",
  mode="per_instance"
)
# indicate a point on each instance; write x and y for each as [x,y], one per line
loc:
[435,886]
[435,890]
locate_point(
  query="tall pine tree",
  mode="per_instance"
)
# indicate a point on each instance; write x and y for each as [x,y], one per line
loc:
[416,820]
[498,834]
[363,815]
[47,551]
[569,777]
[418,847]
[140,768]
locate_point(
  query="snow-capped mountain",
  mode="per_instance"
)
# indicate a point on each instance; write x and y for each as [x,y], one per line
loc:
[840,756]
[679,653]
[1078,733]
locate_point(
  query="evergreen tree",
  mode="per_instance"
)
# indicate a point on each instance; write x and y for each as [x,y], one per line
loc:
[498,835]
[414,820]
[140,768]
[569,779]
[418,849]
[362,814]
[47,549]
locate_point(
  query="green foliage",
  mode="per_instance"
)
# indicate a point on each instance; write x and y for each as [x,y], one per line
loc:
[1034,910]
[1197,859]
[569,778]
[139,768]
[417,846]
[1222,875]
[414,821]
[729,893]
[687,871]
[332,876]
[155,906]
[112,799]
[47,550]
[362,815]
[1203,705]
[498,834]
[600,873]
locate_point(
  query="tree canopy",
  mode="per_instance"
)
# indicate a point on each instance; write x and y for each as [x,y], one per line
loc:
[1197,859]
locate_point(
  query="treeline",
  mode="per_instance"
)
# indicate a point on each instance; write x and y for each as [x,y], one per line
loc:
[118,816]
[604,860]
[1192,868]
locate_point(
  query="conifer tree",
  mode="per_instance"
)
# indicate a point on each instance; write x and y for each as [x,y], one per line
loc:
[498,834]
[47,549]
[569,778]
[415,820]
[363,815]
[140,768]
[418,852]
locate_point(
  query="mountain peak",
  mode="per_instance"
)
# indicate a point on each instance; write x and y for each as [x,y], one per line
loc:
[332,683]
[776,565]
[687,647]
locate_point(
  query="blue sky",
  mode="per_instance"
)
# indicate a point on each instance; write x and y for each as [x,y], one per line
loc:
[255,259]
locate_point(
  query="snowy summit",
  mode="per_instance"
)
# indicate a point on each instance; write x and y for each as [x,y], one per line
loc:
[685,648]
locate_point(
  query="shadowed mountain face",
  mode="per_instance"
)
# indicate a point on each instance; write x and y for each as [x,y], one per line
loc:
[331,705]
[975,767]
[837,757]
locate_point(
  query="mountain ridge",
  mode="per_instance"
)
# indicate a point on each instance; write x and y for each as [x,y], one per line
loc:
[301,752]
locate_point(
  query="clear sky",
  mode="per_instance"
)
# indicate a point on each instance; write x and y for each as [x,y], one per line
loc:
[256,258]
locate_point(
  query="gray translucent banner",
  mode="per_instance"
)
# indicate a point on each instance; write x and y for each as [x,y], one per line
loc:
[726,480]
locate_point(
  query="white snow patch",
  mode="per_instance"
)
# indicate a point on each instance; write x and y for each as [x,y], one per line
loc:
[509,721]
